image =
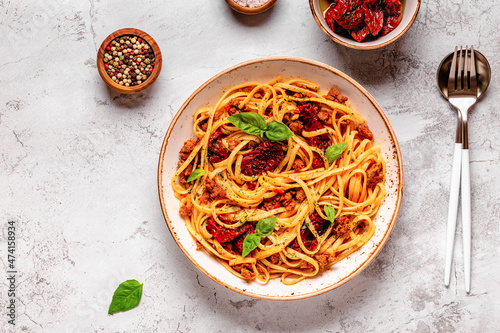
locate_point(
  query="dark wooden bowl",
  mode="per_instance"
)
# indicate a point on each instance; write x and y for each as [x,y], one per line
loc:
[250,11]
[156,69]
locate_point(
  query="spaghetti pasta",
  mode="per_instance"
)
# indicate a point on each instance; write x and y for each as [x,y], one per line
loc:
[280,181]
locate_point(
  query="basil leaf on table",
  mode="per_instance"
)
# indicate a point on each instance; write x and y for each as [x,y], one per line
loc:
[265,226]
[334,152]
[249,122]
[196,174]
[250,242]
[255,124]
[127,296]
[277,131]
[330,213]
[263,229]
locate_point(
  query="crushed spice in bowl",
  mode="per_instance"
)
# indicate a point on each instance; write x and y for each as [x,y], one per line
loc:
[251,3]
[250,7]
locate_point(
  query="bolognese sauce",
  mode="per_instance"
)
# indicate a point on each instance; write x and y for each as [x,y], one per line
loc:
[231,178]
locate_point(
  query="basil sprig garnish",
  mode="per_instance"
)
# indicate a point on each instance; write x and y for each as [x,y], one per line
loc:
[127,296]
[330,213]
[249,122]
[196,174]
[263,229]
[334,152]
[255,124]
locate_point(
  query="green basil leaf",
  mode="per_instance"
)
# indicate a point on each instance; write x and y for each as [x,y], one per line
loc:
[196,174]
[265,226]
[334,152]
[127,296]
[249,122]
[277,131]
[330,213]
[255,124]
[250,242]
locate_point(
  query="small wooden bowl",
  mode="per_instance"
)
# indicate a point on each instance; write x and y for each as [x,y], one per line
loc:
[250,11]
[156,69]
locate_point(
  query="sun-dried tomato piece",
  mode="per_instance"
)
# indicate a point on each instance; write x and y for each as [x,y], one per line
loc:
[266,157]
[226,235]
[306,235]
[393,7]
[216,150]
[390,24]
[349,14]
[330,20]
[374,19]
[372,3]
[359,35]
[319,223]
[340,8]
[309,116]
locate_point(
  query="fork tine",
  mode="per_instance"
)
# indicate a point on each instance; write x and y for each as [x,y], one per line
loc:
[473,78]
[466,85]
[453,70]
[460,69]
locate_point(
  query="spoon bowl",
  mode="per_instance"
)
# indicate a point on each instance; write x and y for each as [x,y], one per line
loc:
[483,70]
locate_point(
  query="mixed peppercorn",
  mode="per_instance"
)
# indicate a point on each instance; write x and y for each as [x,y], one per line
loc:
[129,60]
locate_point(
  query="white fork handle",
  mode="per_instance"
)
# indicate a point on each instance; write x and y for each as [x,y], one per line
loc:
[452,211]
[466,217]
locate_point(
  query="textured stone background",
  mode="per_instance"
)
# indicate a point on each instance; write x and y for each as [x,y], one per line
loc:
[78,170]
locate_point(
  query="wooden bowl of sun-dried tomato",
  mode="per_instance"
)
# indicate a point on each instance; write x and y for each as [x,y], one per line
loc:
[364,25]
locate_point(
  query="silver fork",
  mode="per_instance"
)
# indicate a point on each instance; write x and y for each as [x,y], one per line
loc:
[462,94]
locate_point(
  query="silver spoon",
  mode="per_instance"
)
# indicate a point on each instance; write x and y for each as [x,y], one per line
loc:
[483,79]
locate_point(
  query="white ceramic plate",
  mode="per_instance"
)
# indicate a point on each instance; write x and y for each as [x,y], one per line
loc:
[263,70]
[410,11]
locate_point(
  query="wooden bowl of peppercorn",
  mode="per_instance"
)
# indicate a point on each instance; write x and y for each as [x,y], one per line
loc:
[129,61]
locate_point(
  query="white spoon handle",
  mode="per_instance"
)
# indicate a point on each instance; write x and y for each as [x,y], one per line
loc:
[466,217]
[452,211]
